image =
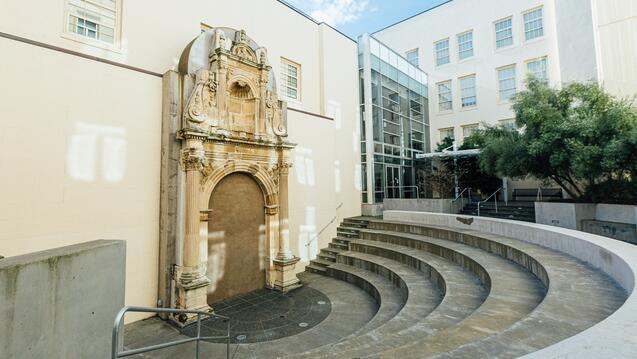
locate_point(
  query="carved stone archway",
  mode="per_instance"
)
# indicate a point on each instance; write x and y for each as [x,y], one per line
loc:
[223,109]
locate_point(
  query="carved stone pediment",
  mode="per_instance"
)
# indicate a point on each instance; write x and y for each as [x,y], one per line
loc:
[233,91]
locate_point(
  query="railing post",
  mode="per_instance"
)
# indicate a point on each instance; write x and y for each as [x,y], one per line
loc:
[198,336]
[228,341]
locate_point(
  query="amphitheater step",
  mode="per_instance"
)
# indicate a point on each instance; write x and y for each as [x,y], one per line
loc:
[318,262]
[390,300]
[464,293]
[311,268]
[567,308]
[338,246]
[332,251]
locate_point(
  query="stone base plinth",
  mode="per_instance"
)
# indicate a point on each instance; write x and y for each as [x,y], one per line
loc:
[285,279]
[192,294]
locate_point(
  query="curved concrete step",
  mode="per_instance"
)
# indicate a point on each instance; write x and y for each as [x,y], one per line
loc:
[422,297]
[567,308]
[515,293]
[463,293]
[390,296]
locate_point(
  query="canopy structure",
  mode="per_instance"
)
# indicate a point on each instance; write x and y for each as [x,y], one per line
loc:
[449,154]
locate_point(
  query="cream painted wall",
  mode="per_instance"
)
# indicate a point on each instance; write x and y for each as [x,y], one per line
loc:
[80,140]
[313,200]
[452,19]
[616,39]
[340,93]
[79,158]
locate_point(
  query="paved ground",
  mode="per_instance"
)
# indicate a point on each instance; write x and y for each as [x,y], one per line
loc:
[266,315]
[349,308]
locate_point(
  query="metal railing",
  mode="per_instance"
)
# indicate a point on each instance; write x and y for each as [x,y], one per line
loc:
[115,353]
[461,196]
[488,198]
[399,187]
[324,227]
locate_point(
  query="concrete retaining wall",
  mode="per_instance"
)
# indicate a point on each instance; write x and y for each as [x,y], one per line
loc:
[61,303]
[422,205]
[617,259]
[610,220]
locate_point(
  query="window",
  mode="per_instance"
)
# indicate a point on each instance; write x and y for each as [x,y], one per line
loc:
[465,45]
[508,124]
[446,133]
[533,24]
[95,19]
[503,33]
[538,69]
[442,52]
[412,57]
[506,82]
[290,80]
[469,130]
[445,102]
[468,91]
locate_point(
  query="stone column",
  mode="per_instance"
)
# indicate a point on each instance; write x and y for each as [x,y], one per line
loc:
[285,261]
[192,282]
[284,252]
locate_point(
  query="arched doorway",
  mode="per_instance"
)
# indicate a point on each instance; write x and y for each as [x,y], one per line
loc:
[236,238]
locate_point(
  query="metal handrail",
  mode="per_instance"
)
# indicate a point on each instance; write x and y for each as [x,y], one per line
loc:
[324,228]
[461,196]
[399,187]
[115,353]
[488,198]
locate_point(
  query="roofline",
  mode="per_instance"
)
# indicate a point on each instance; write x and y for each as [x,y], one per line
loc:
[412,16]
[305,15]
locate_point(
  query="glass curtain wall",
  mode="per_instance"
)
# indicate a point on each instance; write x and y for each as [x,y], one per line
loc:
[394,104]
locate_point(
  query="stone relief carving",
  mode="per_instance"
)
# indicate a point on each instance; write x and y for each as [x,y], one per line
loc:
[235,95]
[242,49]
[202,103]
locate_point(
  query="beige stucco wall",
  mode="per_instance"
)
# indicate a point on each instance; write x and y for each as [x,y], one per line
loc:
[80,140]
[616,38]
[79,158]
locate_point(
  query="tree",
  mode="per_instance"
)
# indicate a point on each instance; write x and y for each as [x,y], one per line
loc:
[580,137]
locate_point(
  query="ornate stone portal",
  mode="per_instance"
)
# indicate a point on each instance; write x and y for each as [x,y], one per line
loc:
[224,112]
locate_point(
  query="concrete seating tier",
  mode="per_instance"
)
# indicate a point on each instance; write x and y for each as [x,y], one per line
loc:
[502,297]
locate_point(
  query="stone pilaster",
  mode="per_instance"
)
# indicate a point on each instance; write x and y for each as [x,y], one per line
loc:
[192,282]
[284,263]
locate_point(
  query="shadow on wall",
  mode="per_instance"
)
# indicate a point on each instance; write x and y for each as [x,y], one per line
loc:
[97,152]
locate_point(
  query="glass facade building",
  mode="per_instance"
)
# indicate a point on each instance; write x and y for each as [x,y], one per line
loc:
[394,121]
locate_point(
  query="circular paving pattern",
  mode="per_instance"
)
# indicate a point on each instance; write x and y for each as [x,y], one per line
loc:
[265,315]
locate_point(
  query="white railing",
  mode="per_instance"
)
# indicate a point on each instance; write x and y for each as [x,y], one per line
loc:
[116,353]
[324,227]
[494,194]
[399,187]
[461,197]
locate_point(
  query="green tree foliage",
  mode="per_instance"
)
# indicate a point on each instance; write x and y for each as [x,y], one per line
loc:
[579,136]
[467,168]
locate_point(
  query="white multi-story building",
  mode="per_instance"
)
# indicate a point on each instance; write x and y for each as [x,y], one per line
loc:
[477,54]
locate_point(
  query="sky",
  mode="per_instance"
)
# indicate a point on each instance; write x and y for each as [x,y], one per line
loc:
[354,17]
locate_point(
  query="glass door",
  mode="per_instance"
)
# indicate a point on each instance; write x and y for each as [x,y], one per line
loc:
[392,182]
